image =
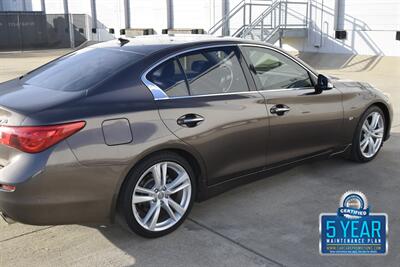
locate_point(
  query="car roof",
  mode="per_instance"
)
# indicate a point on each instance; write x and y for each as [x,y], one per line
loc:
[149,44]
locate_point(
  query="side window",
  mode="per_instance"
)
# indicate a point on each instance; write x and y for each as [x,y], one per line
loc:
[213,71]
[169,77]
[275,71]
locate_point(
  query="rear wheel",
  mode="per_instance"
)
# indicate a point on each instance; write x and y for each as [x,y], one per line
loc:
[368,138]
[158,195]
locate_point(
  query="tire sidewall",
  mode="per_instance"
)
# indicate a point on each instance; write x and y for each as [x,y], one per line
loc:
[357,155]
[134,177]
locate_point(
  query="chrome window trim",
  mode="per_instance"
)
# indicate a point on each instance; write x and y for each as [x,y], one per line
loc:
[159,94]
[208,95]
[287,89]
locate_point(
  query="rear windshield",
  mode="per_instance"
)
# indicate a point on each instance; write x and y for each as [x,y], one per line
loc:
[81,70]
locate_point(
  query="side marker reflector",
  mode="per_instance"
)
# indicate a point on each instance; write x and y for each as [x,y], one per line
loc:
[7,188]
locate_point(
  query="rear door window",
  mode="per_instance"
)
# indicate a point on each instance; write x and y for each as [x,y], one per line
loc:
[213,71]
[203,72]
[81,70]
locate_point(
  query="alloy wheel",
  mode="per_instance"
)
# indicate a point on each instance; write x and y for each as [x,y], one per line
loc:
[161,196]
[371,135]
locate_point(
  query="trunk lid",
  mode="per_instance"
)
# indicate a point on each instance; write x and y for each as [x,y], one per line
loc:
[18,100]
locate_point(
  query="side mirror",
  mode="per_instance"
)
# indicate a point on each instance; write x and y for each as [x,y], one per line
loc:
[323,83]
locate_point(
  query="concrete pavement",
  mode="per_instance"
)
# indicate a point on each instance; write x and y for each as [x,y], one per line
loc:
[271,222]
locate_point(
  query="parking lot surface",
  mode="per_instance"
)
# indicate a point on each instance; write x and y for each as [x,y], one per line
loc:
[271,222]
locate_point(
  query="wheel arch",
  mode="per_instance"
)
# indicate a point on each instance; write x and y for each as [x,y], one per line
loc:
[194,160]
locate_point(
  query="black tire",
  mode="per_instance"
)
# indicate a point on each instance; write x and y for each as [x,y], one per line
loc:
[355,153]
[133,178]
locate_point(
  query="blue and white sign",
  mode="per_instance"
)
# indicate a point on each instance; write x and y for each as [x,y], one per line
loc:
[353,230]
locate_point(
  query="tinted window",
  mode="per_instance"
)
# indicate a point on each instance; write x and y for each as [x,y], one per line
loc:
[276,71]
[213,71]
[81,69]
[169,77]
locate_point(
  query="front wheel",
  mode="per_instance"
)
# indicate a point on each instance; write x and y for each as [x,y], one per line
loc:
[369,135]
[158,195]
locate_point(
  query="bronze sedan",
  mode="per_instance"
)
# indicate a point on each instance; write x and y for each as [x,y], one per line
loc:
[148,125]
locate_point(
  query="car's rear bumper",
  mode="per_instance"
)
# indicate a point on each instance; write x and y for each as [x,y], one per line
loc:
[62,192]
[63,196]
[53,213]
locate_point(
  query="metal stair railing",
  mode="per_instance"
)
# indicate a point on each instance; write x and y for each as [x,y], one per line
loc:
[278,13]
[260,19]
[226,18]
[277,16]
[236,11]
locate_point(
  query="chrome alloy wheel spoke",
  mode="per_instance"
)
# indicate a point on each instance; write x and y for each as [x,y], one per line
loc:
[371,146]
[174,190]
[378,133]
[176,207]
[150,213]
[140,199]
[159,171]
[176,185]
[365,127]
[168,209]
[364,144]
[155,216]
[374,121]
[371,135]
[161,196]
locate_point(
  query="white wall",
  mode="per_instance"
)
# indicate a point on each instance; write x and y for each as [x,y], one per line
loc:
[371,27]
[148,14]
[54,6]
[78,6]
[191,14]
[111,13]
[20,5]
[186,13]
[377,15]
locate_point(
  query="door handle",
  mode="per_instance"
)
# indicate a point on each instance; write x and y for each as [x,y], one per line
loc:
[279,109]
[190,120]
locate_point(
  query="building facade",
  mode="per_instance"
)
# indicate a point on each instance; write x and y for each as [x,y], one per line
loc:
[365,27]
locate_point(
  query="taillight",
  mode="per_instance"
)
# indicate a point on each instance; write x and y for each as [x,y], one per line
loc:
[34,139]
[7,188]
